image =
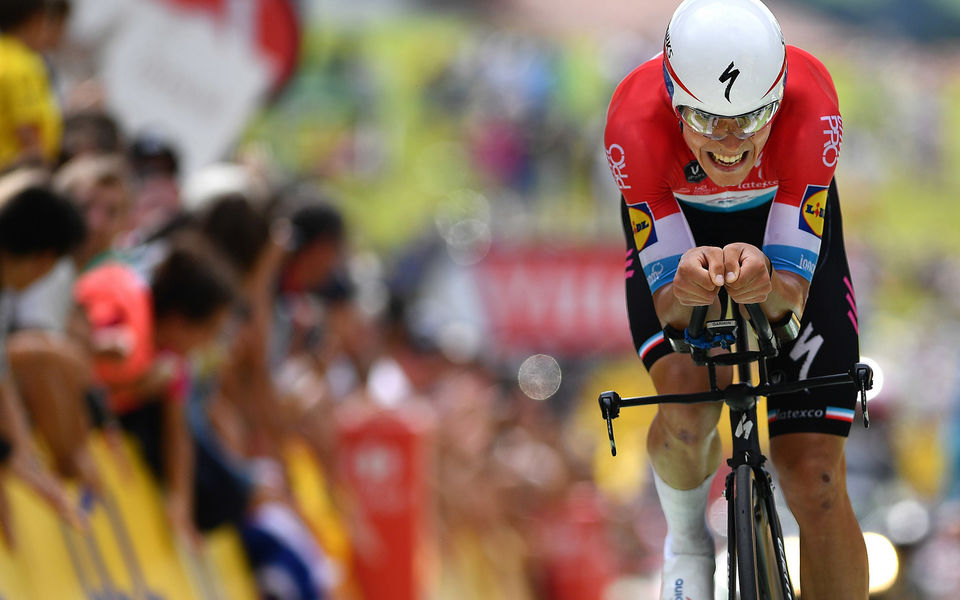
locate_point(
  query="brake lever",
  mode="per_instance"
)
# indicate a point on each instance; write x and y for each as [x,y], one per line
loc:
[610,409]
[864,378]
[863,406]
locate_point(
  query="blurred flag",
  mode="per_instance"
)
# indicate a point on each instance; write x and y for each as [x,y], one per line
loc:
[195,69]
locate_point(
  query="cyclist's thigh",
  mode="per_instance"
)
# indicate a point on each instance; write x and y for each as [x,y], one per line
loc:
[828,343]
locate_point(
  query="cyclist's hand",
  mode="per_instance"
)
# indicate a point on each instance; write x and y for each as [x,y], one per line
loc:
[746,274]
[699,276]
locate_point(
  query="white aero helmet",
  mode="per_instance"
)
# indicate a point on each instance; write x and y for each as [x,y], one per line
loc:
[724,57]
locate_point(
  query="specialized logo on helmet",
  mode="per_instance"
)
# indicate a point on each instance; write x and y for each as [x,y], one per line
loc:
[731,73]
[812,209]
[641,219]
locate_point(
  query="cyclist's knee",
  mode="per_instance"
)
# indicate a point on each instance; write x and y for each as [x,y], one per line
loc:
[812,476]
[687,423]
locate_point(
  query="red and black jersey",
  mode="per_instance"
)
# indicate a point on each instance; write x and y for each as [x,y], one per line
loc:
[656,171]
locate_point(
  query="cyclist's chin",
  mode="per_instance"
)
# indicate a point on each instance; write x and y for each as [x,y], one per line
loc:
[724,174]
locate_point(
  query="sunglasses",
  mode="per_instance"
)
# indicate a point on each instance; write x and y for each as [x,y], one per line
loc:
[716,127]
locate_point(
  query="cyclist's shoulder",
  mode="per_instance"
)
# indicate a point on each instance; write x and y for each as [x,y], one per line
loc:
[640,136]
[810,87]
[808,129]
[640,104]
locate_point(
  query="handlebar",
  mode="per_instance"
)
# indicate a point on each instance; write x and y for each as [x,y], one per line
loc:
[701,335]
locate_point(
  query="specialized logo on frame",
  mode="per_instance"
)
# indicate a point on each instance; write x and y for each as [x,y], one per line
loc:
[744,427]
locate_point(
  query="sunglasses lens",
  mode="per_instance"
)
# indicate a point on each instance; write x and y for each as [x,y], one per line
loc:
[742,126]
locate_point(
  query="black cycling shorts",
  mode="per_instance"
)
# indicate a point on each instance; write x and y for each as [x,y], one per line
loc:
[829,340]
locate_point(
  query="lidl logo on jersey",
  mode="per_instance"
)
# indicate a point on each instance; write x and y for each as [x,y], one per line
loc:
[812,209]
[641,220]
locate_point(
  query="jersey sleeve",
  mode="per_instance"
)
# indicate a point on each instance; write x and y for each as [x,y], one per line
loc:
[806,151]
[637,151]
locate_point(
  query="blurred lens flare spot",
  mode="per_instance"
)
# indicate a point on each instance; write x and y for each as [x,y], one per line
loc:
[883,560]
[877,377]
[791,549]
[539,376]
[717,516]
[882,556]
[907,522]
[469,241]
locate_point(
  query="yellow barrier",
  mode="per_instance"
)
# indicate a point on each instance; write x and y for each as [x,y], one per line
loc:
[128,548]
[310,488]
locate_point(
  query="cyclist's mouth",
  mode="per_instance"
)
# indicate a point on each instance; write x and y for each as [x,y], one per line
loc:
[728,162]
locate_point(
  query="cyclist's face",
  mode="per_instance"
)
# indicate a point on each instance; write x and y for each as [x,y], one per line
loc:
[727,161]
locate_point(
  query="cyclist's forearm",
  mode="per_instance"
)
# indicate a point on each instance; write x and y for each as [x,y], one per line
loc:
[671,312]
[789,294]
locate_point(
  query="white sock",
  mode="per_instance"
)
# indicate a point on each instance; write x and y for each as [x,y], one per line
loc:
[685,511]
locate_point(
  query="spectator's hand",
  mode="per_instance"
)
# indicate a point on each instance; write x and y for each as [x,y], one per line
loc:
[6,520]
[699,277]
[181,521]
[746,273]
[25,465]
[113,435]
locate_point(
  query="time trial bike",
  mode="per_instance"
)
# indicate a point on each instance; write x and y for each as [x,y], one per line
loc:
[756,559]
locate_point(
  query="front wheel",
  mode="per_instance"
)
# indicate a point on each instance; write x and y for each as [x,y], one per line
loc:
[760,560]
[744,530]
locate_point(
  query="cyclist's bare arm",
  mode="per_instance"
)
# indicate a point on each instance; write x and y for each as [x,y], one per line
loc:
[754,281]
[745,271]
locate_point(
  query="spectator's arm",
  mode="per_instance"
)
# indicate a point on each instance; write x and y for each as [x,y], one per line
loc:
[178,459]
[23,460]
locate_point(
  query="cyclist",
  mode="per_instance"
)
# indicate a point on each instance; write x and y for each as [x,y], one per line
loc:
[724,148]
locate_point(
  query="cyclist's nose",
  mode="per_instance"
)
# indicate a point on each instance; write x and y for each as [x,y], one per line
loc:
[729,140]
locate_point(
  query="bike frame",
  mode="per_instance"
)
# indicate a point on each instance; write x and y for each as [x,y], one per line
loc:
[741,398]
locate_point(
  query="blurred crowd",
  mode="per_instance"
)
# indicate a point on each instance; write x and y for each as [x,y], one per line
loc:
[224,318]
[213,320]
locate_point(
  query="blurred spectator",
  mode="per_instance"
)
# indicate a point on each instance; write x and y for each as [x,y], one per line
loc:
[242,233]
[40,227]
[191,293]
[49,351]
[89,131]
[315,249]
[155,163]
[244,425]
[37,227]
[100,186]
[31,128]
[57,16]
